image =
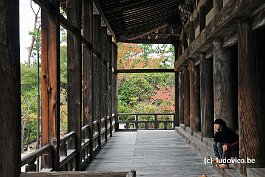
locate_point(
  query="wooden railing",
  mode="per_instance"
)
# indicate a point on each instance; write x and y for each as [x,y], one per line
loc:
[101,130]
[129,121]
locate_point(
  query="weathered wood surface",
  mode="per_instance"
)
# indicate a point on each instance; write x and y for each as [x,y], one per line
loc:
[181,101]
[10,91]
[251,95]
[206,95]
[50,86]
[221,26]
[255,172]
[78,173]
[195,118]
[177,120]
[186,97]
[222,83]
[144,70]
[74,76]
[153,153]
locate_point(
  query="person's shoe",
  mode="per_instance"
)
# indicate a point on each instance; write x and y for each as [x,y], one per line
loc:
[222,166]
[202,176]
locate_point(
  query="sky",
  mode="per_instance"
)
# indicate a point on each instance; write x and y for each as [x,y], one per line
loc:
[26,25]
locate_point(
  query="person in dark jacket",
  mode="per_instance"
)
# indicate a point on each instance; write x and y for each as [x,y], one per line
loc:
[226,142]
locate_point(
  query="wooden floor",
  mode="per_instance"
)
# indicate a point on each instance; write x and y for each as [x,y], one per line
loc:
[154,153]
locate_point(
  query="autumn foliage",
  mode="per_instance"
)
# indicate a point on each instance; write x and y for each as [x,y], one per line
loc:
[145,93]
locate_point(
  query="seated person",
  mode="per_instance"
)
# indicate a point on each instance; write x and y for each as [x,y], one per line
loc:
[226,142]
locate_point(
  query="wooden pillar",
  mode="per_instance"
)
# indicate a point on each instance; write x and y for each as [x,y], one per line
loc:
[195,119]
[206,96]
[97,71]
[50,84]
[115,83]
[251,97]
[176,116]
[186,93]
[10,93]
[110,89]
[74,75]
[87,10]
[223,100]
[181,101]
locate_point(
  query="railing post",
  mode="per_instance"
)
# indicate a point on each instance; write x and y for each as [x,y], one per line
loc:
[31,166]
[136,124]
[156,123]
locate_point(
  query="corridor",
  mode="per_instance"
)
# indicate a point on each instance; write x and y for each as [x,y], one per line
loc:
[155,153]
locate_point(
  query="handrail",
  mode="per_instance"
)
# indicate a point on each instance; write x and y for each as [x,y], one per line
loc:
[146,114]
[39,152]
[148,124]
[68,136]
[68,150]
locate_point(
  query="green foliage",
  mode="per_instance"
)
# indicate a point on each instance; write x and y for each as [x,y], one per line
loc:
[146,93]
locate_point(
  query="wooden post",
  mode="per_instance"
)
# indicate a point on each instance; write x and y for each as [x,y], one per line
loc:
[222,72]
[186,97]
[97,71]
[87,9]
[74,75]
[206,96]
[195,119]
[181,101]
[10,93]
[176,116]
[251,85]
[115,83]
[110,86]
[50,85]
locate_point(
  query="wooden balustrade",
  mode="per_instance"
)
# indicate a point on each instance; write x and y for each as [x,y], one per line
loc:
[67,152]
[29,160]
[101,133]
[85,146]
[146,121]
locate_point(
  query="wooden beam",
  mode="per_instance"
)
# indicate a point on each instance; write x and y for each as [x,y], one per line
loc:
[146,41]
[50,91]
[104,19]
[221,26]
[10,90]
[148,32]
[145,70]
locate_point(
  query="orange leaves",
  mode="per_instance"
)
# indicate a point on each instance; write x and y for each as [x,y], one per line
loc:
[164,97]
[135,56]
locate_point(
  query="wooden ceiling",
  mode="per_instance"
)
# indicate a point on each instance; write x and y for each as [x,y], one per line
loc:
[143,21]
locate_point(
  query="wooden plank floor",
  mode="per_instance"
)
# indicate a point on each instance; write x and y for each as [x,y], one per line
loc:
[154,153]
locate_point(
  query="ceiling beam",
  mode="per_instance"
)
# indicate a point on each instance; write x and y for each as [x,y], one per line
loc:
[104,19]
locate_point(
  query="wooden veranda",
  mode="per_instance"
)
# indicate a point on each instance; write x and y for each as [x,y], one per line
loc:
[219,73]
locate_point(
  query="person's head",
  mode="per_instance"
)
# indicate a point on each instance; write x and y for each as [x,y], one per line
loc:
[219,124]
